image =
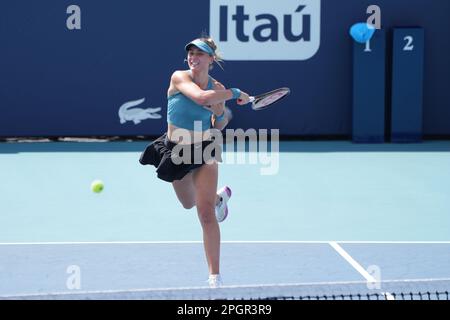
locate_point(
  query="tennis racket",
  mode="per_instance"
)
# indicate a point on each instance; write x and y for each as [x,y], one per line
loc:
[265,100]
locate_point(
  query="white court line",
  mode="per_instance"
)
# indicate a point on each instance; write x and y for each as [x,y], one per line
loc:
[353,262]
[359,268]
[225,242]
[389,296]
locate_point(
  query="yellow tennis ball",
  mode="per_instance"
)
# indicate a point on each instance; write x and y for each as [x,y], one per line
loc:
[97,186]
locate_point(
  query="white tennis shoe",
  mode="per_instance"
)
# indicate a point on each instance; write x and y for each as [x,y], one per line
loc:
[215,281]
[222,208]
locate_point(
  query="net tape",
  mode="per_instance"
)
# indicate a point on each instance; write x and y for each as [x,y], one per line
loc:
[435,289]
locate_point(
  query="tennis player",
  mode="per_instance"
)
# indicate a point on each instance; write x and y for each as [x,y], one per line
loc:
[196,105]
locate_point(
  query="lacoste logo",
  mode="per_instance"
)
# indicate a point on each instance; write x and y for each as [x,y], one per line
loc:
[128,113]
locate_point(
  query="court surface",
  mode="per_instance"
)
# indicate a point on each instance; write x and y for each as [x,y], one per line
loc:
[335,211]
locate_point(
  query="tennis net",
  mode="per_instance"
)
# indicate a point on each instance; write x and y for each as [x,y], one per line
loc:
[384,290]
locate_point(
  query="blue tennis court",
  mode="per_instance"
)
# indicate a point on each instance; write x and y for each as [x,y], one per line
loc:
[333,212]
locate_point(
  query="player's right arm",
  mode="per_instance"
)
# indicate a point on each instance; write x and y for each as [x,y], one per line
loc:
[184,84]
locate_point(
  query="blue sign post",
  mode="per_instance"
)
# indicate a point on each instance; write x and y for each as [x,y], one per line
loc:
[407,85]
[369,89]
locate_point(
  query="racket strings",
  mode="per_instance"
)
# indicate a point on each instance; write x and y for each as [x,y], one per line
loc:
[270,98]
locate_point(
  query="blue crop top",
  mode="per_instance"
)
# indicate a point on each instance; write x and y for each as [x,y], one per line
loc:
[182,111]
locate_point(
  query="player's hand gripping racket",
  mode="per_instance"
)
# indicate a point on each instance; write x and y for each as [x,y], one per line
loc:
[265,100]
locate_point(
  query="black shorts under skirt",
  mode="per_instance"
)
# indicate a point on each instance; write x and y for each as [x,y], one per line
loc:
[159,154]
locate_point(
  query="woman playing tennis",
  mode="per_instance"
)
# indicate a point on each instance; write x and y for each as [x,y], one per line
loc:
[196,102]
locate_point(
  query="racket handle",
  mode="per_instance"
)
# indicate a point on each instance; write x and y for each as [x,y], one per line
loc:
[250,100]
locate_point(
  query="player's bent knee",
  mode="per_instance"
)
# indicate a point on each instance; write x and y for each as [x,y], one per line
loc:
[188,205]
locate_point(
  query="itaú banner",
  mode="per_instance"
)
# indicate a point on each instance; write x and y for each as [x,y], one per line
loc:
[266,30]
